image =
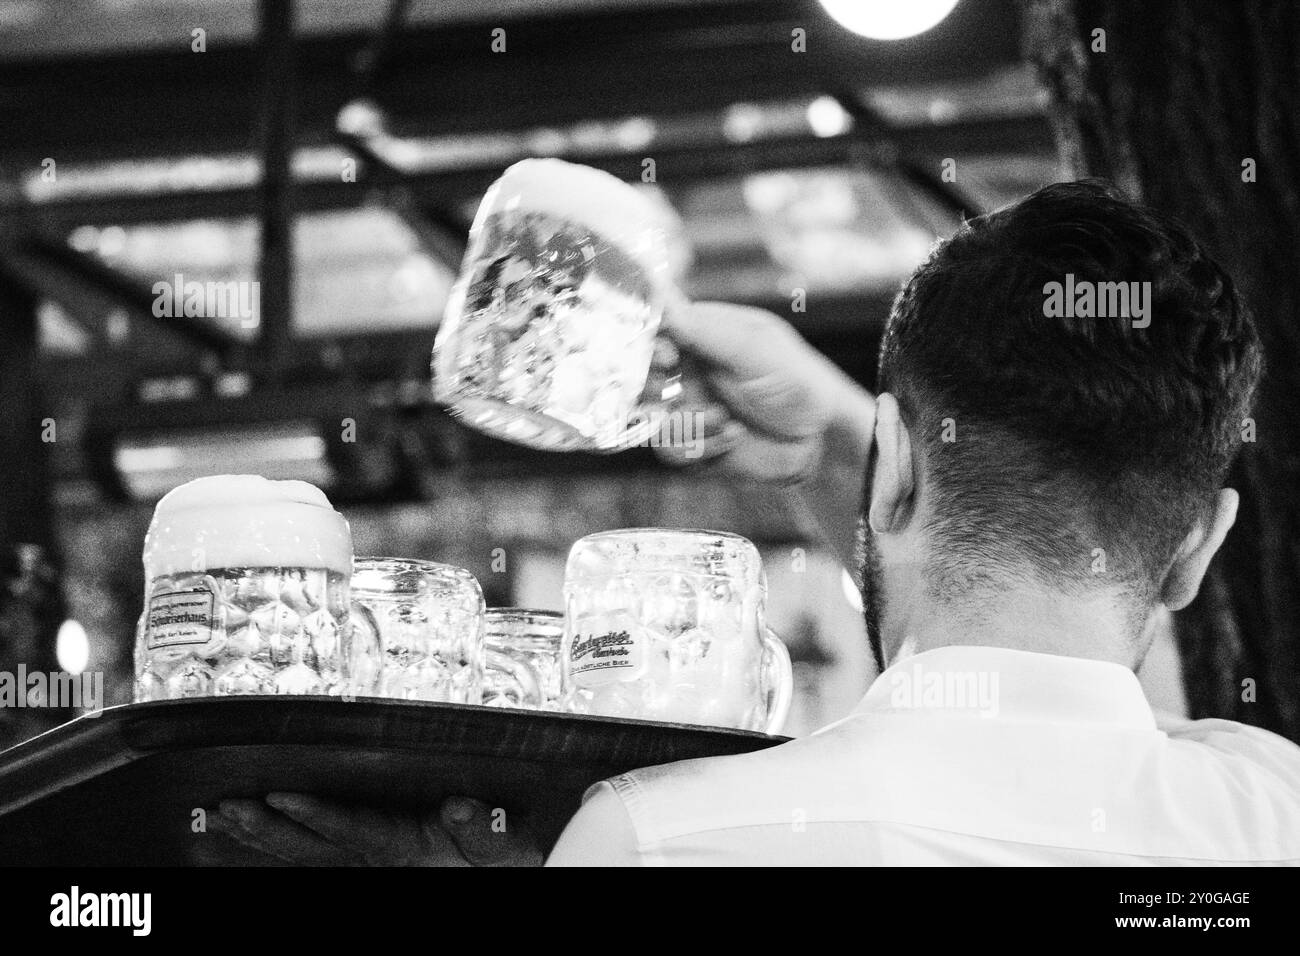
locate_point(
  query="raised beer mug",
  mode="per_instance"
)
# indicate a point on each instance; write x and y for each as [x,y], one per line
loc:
[549,338]
[668,624]
[247,592]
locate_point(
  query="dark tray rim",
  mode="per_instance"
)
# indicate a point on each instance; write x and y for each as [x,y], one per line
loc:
[91,745]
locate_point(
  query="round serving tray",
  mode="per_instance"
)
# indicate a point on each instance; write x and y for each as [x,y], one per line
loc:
[122,788]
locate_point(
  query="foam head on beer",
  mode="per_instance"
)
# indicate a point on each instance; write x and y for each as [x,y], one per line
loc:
[244,521]
[593,198]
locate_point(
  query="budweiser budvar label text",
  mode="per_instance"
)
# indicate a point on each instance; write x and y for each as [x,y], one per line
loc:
[596,659]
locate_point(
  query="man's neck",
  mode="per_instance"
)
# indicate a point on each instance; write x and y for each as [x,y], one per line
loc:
[1095,627]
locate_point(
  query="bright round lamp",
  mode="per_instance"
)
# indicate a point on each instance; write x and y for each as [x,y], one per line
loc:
[888,19]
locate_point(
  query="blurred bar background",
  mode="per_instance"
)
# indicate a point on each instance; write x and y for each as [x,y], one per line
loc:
[339,163]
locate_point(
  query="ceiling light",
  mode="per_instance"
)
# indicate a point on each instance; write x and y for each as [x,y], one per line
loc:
[826,117]
[888,19]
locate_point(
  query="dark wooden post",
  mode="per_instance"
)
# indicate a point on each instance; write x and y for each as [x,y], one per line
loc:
[1194,107]
[31,603]
[279,103]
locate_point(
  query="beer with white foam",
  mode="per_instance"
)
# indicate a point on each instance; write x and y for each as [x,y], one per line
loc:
[247,592]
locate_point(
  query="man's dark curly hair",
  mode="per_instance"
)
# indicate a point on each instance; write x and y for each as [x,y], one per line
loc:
[1069,435]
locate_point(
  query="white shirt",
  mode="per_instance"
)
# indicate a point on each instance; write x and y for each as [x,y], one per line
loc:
[966,755]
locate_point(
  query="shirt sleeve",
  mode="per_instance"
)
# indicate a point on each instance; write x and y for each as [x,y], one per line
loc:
[600,834]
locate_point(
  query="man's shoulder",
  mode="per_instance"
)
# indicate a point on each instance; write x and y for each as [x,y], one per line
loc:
[751,789]
[708,771]
[1228,741]
[891,771]
[621,818]
[1233,789]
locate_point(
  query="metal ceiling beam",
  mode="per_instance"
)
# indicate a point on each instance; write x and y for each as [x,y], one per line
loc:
[370,62]
[47,265]
[675,165]
[439,227]
[913,161]
[555,70]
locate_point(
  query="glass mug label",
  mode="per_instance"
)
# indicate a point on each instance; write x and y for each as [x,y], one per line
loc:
[181,617]
[606,658]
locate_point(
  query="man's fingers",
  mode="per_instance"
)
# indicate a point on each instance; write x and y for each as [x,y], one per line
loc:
[305,829]
[487,836]
[695,433]
[381,837]
[737,450]
[741,340]
[375,835]
[699,449]
[331,820]
[226,823]
[768,460]
[756,365]
[273,833]
[226,844]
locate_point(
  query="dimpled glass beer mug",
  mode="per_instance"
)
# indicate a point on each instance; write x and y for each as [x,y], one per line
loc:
[668,624]
[430,622]
[549,335]
[246,592]
[531,639]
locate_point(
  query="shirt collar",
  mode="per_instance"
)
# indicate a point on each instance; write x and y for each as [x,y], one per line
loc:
[1008,684]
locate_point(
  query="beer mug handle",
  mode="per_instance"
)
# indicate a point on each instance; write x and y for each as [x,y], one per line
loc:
[364,653]
[777,682]
[516,679]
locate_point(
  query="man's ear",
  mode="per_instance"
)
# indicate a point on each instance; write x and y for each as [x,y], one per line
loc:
[1184,577]
[893,481]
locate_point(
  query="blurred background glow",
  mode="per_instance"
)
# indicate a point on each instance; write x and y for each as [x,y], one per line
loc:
[73,647]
